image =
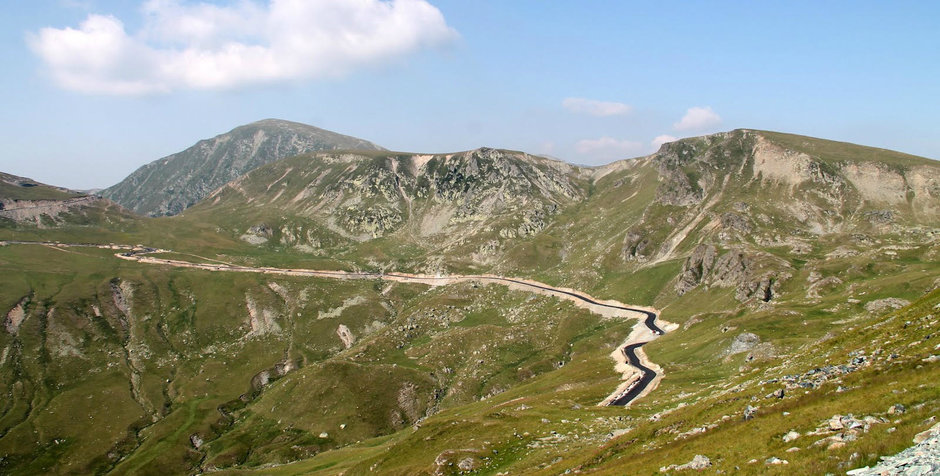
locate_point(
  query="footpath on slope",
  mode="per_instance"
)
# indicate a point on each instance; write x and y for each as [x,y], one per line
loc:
[640,375]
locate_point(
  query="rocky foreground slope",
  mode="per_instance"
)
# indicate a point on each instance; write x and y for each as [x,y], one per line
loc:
[169,185]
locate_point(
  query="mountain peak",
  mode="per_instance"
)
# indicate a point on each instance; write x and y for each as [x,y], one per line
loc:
[169,185]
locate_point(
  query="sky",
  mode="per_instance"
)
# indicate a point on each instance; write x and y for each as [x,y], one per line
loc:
[93,89]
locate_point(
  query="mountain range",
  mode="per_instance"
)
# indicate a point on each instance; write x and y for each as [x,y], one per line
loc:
[182,329]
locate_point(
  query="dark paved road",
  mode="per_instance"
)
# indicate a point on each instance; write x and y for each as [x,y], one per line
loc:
[647,374]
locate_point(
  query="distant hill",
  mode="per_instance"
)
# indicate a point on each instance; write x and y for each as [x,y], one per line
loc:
[28,202]
[169,185]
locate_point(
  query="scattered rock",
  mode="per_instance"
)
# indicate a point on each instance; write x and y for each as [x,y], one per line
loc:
[922,459]
[749,412]
[835,423]
[792,435]
[743,343]
[467,464]
[776,461]
[324,435]
[881,305]
[698,463]
[924,435]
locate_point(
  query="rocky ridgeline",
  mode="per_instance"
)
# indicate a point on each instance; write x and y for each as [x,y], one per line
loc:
[360,197]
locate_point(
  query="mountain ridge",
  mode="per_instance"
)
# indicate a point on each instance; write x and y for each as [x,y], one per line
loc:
[801,281]
[171,184]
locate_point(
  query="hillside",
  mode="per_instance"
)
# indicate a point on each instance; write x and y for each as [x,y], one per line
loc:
[800,274]
[169,185]
[25,202]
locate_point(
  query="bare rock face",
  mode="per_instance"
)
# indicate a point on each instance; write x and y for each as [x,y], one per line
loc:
[345,335]
[16,316]
[636,247]
[678,189]
[696,267]
[735,268]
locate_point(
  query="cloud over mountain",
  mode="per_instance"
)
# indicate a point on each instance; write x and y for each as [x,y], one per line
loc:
[698,118]
[608,148]
[207,46]
[593,107]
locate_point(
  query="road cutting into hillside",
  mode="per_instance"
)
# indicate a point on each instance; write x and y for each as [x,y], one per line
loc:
[640,375]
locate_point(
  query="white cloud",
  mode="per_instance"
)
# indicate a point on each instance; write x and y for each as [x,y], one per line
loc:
[658,141]
[608,148]
[207,46]
[596,108]
[547,147]
[698,118]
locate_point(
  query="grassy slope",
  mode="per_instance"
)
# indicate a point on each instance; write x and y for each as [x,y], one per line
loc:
[581,248]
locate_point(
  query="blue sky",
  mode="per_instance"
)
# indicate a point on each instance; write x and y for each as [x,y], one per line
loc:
[588,82]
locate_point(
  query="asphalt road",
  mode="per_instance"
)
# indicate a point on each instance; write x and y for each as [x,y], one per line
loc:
[647,374]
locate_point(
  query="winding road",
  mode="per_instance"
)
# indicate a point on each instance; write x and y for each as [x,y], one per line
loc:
[624,395]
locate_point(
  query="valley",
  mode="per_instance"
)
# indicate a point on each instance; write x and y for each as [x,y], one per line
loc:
[607,308]
[368,311]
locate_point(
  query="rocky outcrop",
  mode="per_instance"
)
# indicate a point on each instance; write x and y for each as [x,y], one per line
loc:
[345,335]
[735,222]
[33,211]
[261,321]
[375,221]
[922,459]
[636,246]
[16,316]
[886,304]
[265,377]
[743,342]
[678,189]
[257,234]
[735,268]
[696,267]
[698,463]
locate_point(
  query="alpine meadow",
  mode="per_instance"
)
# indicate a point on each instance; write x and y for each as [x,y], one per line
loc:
[281,299]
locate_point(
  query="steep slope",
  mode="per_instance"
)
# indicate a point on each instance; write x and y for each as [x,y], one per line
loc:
[382,206]
[745,193]
[169,185]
